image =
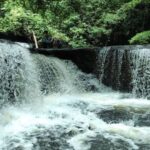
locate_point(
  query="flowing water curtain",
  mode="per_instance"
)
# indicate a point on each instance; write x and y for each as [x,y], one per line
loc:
[17,74]
[63,76]
[141,72]
[58,76]
[101,62]
[109,66]
[53,75]
[126,69]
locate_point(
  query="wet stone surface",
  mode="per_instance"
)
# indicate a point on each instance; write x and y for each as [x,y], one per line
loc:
[102,143]
[114,116]
[144,146]
[142,120]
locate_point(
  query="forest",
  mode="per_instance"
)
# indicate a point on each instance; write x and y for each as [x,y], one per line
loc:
[79,23]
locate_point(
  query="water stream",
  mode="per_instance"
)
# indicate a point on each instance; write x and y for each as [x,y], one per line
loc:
[50,104]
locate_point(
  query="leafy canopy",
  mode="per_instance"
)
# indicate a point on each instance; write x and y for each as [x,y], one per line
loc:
[80,23]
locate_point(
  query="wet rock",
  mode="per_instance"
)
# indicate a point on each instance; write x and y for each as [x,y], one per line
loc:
[102,143]
[142,120]
[144,146]
[114,116]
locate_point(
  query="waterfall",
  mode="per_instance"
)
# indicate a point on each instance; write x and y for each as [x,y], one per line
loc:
[62,76]
[53,75]
[17,74]
[122,68]
[140,59]
[48,103]
[109,70]
[25,74]
[125,68]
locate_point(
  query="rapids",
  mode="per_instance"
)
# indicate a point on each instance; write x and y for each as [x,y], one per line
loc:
[49,104]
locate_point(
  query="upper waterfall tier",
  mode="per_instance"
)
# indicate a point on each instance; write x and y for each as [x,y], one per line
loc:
[124,68]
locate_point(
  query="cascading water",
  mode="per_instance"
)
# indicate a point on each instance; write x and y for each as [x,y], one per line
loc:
[72,111]
[52,73]
[141,72]
[57,76]
[109,64]
[126,69]
[17,74]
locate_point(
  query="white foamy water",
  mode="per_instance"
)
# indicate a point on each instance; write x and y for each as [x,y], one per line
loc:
[17,75]
[78,119]
[58,107]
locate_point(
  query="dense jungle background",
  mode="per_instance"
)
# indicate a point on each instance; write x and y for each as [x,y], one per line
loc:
[79,23]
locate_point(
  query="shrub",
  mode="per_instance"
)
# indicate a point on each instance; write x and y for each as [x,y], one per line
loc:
[141,38]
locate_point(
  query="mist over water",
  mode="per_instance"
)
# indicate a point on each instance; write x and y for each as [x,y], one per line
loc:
[58,107]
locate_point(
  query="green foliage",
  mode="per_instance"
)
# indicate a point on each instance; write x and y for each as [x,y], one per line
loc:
[110,18]
[23,21]
[80,23]
[141,38]
[128,7]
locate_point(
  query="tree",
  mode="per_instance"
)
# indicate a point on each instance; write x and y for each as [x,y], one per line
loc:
[80,23]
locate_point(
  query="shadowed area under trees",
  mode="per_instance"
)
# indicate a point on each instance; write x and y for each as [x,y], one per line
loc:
[78,23]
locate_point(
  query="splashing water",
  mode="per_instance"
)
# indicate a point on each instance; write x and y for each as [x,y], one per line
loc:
[87,121]
[75,112]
